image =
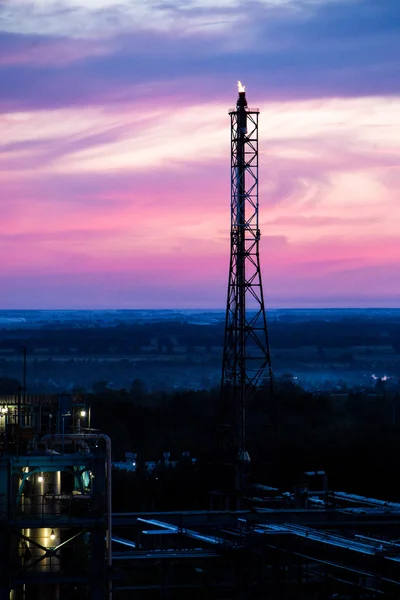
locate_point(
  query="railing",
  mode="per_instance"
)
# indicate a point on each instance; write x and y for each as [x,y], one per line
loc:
[30,399]
[46,507]
[247,109]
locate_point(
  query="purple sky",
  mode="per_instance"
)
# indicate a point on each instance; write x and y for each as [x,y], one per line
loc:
[114,143]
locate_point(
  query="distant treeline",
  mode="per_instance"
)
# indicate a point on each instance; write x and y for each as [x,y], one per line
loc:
[173,336]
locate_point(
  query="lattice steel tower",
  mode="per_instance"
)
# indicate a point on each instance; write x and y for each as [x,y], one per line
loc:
[246,358]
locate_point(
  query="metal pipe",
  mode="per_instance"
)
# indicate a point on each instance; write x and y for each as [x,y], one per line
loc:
[175,529]
[62,439]
[364,499]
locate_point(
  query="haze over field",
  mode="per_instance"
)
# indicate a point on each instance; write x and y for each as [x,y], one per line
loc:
[114,145]
[322,349]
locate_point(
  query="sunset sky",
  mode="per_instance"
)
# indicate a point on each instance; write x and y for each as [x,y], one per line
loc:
[114,150]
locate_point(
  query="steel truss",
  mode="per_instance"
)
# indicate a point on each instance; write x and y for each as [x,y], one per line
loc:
[246,357]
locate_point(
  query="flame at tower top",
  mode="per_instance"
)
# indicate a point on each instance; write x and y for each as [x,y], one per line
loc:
[241,103]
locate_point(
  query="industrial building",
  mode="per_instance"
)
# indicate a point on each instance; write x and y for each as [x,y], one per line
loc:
[55,503]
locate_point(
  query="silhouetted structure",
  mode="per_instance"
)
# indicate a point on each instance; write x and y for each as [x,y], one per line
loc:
[246,358]
[55,500]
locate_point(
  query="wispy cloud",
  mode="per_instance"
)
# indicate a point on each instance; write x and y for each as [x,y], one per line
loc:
[114,148]
[287,49]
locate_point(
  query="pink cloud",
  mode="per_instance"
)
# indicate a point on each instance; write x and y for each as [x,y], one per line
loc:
[87,216]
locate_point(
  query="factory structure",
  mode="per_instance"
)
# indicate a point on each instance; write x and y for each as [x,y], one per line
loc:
[61,540]
[55,503]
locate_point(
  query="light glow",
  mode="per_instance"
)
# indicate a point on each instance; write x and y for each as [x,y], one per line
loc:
[241,87]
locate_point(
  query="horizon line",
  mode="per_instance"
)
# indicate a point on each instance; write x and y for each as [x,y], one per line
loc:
[201,308]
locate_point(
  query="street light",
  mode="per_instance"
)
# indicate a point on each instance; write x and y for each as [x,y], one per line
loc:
[52,535]
[83,413]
